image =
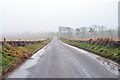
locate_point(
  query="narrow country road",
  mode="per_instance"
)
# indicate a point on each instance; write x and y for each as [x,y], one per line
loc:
[59,60]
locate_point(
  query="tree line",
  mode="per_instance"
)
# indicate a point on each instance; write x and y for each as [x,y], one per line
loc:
[93,31]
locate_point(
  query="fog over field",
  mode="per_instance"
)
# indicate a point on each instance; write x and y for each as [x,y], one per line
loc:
[29,18]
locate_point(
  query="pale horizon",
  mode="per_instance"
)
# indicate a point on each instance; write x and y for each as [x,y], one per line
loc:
[33,16]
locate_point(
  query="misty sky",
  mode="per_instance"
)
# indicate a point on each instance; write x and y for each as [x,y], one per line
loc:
[19,16]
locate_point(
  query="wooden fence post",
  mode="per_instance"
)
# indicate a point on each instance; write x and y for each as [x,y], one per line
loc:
[4,39]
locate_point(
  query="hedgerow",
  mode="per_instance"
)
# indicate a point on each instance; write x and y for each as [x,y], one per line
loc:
[12,56]
[102,50]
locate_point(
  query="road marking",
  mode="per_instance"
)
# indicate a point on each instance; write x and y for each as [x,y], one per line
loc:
[82,68]
[92,55]
[74,60]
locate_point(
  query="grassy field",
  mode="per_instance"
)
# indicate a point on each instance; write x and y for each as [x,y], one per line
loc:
[12,56]
[105,51]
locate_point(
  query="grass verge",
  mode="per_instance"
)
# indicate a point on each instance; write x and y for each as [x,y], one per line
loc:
[105,51]
[12,56]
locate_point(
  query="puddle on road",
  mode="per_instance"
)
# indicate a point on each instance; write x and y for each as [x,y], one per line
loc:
[22,71]
[110,65]
[29,63]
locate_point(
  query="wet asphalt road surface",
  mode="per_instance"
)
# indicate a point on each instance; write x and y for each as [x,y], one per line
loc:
[59,60]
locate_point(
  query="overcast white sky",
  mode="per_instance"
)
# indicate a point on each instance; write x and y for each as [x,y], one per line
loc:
[47,15]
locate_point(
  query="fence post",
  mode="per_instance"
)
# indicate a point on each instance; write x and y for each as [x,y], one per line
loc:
[4,39]
[19,43]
